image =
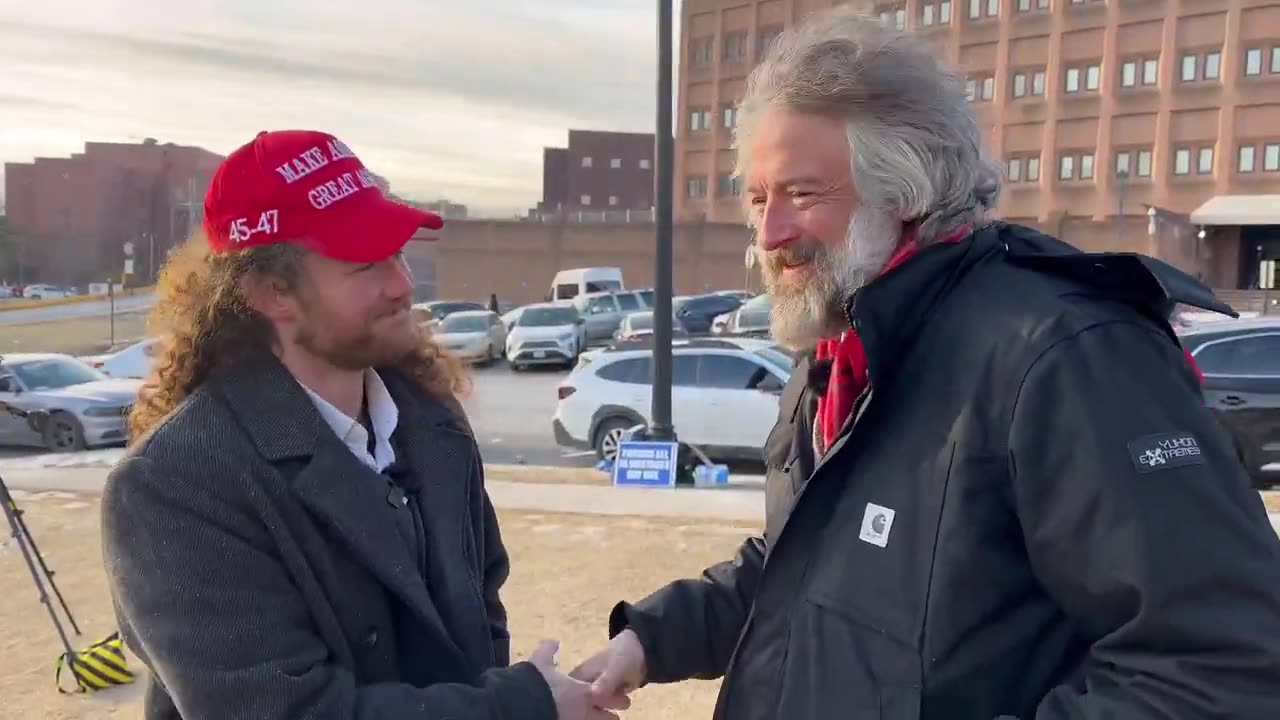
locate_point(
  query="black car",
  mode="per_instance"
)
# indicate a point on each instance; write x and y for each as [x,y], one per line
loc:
[697,313]
[1240,361]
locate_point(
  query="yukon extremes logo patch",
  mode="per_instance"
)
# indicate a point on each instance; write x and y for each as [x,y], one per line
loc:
[1165,452]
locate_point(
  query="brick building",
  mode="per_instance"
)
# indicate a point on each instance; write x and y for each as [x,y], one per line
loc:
[1099,110]
[599,171]
[74,215]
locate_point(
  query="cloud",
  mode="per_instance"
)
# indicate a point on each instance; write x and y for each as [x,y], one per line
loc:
[444,98]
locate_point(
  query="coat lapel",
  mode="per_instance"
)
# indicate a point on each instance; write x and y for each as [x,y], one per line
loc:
[334,486]
[439,449]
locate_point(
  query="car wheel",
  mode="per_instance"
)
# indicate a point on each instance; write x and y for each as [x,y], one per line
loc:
[608,435]
[62,433]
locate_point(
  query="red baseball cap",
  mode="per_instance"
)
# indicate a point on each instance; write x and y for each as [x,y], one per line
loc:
[307,188]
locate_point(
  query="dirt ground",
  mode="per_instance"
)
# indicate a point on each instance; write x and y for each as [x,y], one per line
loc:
[75,336]
[608,559]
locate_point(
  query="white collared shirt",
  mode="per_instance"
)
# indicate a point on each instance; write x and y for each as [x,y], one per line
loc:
[383,415]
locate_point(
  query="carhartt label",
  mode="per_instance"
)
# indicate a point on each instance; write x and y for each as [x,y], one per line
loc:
[877,521]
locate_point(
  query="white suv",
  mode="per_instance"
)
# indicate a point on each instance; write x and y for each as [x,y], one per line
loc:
[724,396]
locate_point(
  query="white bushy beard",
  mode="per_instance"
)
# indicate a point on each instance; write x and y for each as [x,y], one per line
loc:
[802,313]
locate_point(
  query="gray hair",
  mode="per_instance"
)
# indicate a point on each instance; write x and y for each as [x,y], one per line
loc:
[915,145]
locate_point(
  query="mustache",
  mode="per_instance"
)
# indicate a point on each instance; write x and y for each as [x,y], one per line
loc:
[799,252]
[392,308]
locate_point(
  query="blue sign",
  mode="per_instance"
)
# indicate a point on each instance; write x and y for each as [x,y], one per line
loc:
[646,464]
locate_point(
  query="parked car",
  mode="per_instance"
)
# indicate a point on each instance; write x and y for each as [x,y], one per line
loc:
[546,334]
[750,320]
[603,312]
[1240,361]
[441,309]
[697,313]
[131,360]
[724,396]
[640,325]
[86,408]
[476,336]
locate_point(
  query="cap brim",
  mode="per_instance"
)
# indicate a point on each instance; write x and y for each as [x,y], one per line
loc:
[372,230]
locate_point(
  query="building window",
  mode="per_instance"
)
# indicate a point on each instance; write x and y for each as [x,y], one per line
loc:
[1019,84]
[1246,158]
[1073,80]
[896,18]
[1023,168]
[944,12]
[1150,72]
[615,163]
[981,8]
[1144,163]
[975,9]
[988,88]
[1271,157]
[1066,167]
[1037,83]
[993,8]
[735,47]
[1275,59]
[1086,166]
[981,88]
[1212,65]
[767,36]
[1129,74]
[1204,164]
[585,200]
[586,161]
[700,119]
[1253,61]
[644,164]
[1122,163]
[1092,77]
[971,90]
[728,185]
[1182,161]
[730,116]
[1189,68]
[613,201]
[926,15]
[696,187]
[1028,5]
[700,50]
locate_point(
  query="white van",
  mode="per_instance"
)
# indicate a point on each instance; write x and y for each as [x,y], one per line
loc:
[569,284]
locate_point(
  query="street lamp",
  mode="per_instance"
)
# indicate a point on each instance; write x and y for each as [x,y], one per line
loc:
[660,428]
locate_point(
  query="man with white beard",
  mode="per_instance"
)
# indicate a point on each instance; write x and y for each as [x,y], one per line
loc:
[993,489]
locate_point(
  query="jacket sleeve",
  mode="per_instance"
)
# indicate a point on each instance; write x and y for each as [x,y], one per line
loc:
[690,628]
[1141,523]
[205,602]
[497,567]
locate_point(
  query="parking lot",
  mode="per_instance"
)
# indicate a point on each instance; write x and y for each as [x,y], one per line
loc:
[510,413]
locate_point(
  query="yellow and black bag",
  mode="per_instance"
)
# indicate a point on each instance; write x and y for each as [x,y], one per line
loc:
[100,666]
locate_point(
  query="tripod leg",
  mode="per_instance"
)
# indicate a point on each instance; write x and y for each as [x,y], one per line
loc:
[10,512]
[48,574]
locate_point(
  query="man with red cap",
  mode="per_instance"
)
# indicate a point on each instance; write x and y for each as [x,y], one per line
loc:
[300,529]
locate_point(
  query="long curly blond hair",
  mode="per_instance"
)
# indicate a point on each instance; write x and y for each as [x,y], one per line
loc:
[204,324]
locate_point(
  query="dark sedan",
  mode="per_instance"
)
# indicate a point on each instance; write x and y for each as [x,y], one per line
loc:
[697,313]
[1240,360]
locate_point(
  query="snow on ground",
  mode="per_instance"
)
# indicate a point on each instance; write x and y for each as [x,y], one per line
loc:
[104,458]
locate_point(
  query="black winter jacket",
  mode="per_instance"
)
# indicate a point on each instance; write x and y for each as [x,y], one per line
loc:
[1031,515]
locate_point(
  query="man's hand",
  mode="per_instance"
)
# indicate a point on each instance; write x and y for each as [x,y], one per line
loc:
[574,698]
[615,671]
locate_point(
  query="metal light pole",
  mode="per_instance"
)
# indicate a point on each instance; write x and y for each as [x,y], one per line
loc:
[661,428]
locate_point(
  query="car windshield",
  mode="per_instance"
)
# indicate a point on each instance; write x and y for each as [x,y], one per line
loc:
[547,317]
[777,359]
[640,321]
[464,324]
[54,373]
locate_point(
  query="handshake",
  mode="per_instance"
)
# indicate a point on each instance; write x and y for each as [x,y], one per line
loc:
[599,685]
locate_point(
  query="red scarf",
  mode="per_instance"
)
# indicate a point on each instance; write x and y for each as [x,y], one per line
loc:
[849,360]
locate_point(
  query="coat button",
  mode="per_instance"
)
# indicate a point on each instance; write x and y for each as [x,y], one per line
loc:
[371,637]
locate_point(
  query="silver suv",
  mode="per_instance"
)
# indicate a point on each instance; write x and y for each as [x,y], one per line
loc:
[603,311]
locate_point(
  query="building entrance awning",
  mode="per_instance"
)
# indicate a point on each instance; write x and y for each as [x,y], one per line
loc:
[1239,210]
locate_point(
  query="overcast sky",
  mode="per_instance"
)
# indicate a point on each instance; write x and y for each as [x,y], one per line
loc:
[446,98]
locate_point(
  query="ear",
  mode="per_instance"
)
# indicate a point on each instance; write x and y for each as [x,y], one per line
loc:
[270,298]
